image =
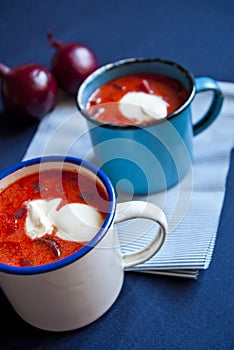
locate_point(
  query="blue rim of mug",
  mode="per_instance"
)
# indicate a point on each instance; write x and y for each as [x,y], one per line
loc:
[130,61]
[32,270]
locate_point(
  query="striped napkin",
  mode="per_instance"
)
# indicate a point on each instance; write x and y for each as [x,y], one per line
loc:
[192,207]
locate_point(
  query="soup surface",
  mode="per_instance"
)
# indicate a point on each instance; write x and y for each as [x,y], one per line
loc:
[38,216]
[136,98]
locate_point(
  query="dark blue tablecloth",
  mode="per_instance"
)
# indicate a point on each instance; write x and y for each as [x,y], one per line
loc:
[152,312]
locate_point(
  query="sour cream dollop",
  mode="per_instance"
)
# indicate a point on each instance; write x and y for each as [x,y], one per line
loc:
[141,106]
[75,222]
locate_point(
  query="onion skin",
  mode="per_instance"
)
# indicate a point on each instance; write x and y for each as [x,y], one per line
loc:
[28,91]
[71,64]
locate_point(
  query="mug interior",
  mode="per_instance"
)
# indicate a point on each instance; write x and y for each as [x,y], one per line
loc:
[31,166]
[134,66]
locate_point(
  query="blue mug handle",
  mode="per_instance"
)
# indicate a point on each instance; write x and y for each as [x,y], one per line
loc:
[206,84]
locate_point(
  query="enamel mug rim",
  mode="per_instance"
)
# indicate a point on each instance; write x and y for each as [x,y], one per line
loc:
[32,270]
[132,61]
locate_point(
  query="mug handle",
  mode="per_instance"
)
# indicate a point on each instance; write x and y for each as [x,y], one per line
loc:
[206,84]
[141,209]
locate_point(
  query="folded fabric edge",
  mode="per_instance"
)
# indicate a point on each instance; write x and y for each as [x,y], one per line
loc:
[191,274]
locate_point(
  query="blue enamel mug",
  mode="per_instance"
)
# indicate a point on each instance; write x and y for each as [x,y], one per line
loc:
[155,155]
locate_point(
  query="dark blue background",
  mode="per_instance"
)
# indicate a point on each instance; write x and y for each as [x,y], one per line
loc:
[152,312]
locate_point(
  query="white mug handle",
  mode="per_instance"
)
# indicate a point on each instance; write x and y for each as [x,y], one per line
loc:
[146,210]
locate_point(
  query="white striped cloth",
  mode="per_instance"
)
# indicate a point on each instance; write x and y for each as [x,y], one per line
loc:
[192,207]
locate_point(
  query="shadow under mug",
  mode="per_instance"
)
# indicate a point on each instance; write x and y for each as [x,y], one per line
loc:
[152,156]
[75,291]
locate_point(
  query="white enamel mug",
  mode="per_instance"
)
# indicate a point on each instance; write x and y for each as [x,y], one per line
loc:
[75,291]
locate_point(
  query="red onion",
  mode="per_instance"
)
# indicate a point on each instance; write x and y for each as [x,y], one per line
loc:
[72,63]
[28,91]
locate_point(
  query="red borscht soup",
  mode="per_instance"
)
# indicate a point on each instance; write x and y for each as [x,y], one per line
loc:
[136,99]
[27,236]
